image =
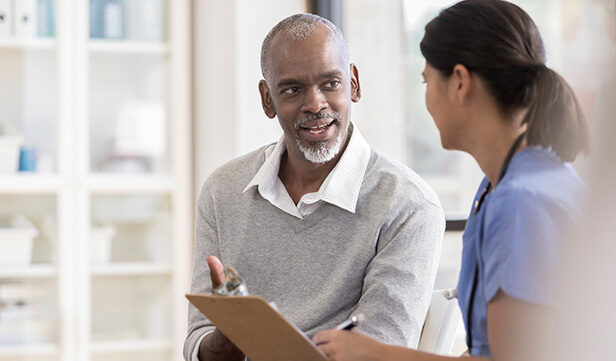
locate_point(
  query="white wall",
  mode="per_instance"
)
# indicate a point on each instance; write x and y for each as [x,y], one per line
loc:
[228,117]
[380,113]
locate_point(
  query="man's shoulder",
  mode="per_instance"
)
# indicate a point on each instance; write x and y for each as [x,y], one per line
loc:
[394,180]
[236,173]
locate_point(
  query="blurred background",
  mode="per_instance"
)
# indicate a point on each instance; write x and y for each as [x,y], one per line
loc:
[116,111]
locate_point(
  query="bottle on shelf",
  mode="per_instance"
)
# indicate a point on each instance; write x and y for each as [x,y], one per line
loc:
[114,20]
[28,158]
[46,18]
[10,143]
[106,19]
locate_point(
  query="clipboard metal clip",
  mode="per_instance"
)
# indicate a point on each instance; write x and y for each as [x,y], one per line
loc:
[233,286]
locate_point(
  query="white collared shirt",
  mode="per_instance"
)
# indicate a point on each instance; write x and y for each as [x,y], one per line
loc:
[340,188]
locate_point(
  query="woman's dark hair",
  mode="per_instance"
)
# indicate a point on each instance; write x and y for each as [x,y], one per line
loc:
[500,43]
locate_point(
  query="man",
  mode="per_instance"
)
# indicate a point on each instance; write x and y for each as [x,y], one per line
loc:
[318,223]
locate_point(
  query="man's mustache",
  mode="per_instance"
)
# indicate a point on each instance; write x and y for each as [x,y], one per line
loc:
[316,116]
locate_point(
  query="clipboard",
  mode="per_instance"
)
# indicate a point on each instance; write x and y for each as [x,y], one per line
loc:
[256,328]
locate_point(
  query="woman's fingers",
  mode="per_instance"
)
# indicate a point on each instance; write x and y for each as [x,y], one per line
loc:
[323,337]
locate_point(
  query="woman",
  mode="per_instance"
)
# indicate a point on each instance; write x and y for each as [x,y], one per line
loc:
[492,96]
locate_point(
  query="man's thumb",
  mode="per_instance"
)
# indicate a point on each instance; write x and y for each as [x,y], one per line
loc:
[217,271]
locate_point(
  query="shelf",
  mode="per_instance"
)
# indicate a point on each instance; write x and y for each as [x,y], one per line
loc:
[35,271]
[19,351]
[136,345]
[130,269]
[107,183]
[28,44]
[128,47]
[28,182]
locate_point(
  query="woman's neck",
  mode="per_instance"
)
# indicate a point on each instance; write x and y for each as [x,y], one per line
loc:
[493,146]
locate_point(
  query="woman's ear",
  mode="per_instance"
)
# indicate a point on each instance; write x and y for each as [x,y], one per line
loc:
[266,100]
[461,86]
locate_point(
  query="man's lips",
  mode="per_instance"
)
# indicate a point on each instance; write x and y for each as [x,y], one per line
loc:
[318,132]
[317,128]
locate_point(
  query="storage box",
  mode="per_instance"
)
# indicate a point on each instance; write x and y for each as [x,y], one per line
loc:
[16,246]
[9,153]
[100,244]
[23,319]
[26,332]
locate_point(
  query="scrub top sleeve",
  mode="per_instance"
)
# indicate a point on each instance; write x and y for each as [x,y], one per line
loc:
[519,250]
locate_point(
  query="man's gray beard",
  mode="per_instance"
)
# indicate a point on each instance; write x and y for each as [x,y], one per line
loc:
[321,153]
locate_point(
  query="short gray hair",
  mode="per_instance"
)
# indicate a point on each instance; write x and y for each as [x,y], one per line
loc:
[297,27]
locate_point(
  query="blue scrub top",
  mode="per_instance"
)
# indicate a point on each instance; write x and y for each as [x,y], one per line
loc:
[516,236]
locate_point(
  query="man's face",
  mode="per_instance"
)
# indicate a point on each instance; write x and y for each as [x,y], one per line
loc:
[310,90]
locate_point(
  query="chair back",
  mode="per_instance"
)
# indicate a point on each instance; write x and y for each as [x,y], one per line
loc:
[441,325]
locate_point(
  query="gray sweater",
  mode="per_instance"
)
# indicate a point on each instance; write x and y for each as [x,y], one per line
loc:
[380,261]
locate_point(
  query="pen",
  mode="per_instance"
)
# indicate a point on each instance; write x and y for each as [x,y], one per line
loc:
[350,323]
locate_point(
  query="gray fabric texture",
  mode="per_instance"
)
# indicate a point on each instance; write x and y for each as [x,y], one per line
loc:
[380,261]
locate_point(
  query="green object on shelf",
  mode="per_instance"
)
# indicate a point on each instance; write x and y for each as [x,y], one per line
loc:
[47,18]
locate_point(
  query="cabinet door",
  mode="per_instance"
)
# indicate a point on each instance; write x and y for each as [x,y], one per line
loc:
[130,248]
[128,87]
[130,198]
[29,324]
[29,184]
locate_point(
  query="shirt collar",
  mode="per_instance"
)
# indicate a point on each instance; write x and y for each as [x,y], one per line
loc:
[340,188]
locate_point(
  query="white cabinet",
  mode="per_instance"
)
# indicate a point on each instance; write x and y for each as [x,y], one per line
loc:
[99,97]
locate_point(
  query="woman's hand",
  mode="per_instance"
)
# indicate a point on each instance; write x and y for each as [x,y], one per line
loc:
[348,346]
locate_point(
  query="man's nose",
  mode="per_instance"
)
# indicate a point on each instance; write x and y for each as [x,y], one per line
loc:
[314,101]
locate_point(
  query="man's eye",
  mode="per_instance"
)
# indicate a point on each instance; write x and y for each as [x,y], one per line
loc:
[333,84]
[291,90]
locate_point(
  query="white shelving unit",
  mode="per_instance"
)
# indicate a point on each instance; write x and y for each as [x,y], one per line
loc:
[135,345]
[71,100]
[37,350]
[30,183]
[28,44]
[31,272]
[128,47]
[114,184]
[132,269]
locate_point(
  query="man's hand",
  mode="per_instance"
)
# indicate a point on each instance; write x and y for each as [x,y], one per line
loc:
[348,345]
[217,271]
[216,346]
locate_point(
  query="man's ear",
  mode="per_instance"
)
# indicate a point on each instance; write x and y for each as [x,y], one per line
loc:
[266,100]
[355,86]
[462,84]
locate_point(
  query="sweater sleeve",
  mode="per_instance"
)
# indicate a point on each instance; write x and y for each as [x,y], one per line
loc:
[398,281]
[206,244]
